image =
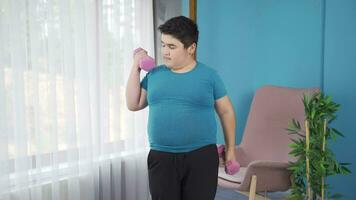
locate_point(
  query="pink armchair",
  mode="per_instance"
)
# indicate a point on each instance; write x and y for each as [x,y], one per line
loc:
[263,152]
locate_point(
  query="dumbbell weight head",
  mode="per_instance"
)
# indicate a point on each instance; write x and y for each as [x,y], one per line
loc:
[232,167]
[146,63]
[221,150]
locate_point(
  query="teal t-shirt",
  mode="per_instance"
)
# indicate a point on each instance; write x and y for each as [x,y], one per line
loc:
[181,107]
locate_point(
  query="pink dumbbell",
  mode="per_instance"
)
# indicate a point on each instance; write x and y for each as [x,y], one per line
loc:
[146,63]
[231,166]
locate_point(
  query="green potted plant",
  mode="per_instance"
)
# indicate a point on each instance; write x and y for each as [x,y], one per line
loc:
[315,160]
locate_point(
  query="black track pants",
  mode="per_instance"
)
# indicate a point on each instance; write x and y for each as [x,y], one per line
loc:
[183,176]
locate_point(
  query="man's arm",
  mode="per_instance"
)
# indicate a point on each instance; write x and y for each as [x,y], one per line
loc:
[225,110]
[135,95]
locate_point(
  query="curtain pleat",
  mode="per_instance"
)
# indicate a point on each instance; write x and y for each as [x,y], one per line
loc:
[65,131]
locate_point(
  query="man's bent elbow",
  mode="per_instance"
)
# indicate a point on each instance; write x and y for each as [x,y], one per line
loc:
[131,107]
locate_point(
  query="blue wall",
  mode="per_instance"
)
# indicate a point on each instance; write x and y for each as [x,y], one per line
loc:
[304,43]
[340,82]
[253,43]
[185,8]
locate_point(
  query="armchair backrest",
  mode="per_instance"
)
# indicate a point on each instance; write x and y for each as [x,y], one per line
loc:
[265,136]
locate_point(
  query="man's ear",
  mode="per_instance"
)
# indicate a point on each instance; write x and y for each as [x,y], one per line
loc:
[192,48]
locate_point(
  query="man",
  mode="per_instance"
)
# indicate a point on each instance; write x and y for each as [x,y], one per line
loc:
[183,95]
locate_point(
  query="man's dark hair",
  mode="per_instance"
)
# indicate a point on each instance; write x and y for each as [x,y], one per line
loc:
[181,28]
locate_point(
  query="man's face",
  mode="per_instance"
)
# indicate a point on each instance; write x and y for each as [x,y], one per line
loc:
[173,52]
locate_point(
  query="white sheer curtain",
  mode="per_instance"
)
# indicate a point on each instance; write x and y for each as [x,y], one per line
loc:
[65,132]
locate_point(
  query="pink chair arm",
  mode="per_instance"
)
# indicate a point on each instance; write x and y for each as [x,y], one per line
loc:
[271,176]
[268,164]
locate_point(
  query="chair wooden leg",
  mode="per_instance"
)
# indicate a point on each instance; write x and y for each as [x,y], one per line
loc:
[265,196]
[253,188]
